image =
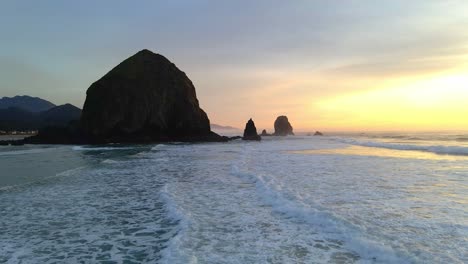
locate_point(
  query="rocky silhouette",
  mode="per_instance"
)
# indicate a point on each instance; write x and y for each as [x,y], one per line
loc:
[250,131]
[146,98]
[26,103]
[20,119]
[265,133]
[59,134]
[60,115]
[14,119]
[283,127]
[318,133]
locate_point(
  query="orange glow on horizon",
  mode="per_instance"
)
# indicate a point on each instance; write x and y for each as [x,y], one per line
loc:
[439,103]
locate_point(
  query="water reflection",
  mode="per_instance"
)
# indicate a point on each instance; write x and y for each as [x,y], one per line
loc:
[381,152]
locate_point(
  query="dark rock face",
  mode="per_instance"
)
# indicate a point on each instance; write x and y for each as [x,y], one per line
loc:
[69,134]
[15,118]
[60,115]
[250,131]
[318,133]
[145,98]
[283,127]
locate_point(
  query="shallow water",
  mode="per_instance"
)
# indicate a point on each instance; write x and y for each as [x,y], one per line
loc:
[340,199]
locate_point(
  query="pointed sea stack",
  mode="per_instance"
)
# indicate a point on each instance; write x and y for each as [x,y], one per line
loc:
[250,131]
[146,98]
[283,127]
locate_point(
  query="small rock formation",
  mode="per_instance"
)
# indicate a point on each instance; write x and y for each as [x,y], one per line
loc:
[264,133]
[283,127]
[318,133]
[250,132]
[146,98]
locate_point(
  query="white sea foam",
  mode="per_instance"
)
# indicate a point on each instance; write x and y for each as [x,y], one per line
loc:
[439,149]
[173,253]
[101,214]
[239,202]
[159,146]
[370,251]
[83,148]
[110,161]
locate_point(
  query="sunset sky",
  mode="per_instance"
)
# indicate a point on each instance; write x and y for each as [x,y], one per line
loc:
[328,65]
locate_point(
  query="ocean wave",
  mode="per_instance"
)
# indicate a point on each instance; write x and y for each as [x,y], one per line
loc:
[159,146]
[437,149]
[81,148]
[25,151]
[369,250]
[172,253]
[110,161]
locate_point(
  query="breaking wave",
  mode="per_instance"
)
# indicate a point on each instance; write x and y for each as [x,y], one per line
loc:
[81,148]
[437,149]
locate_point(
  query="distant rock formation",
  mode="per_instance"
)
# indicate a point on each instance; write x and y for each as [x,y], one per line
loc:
[318,133]
[220,127]
[18,119]
[265,133]
[283,127]
[26,103]
[250,132]
[146,98]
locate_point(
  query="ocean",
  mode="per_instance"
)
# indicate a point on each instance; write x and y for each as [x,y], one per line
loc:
[342,198]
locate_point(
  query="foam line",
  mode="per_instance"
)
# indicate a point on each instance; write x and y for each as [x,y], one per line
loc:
[443,150]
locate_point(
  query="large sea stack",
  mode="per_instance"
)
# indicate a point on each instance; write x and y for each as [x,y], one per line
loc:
[146,98]
[283,127]
[250,131]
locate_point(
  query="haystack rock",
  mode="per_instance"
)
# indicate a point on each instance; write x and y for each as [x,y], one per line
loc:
[283,127]
[250,132]
[145,98]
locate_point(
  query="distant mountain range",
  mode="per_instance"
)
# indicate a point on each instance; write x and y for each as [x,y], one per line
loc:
[22,113]
[220,127]
[27,103]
